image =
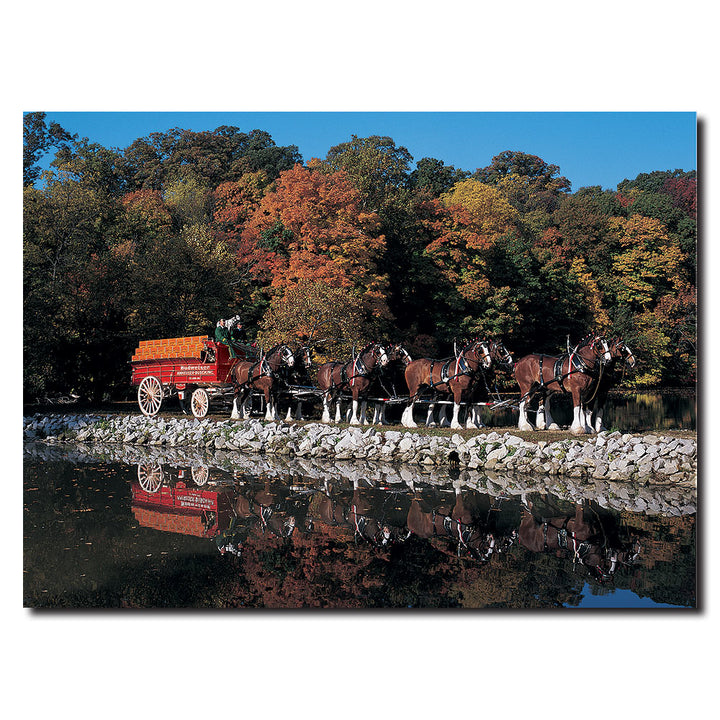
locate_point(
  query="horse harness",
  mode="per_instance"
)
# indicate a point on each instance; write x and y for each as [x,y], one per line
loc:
[359,370]
[576,364]
[462,369]
[580,549]
[264,367]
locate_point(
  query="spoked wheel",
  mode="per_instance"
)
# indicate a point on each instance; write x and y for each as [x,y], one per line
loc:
[199,403]
[200,475]
[150,395]
[150,477]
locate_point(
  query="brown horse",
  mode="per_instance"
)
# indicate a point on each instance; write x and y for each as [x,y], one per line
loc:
[577,537]
[390,379]
[576,373]
[297,374]
[456,376]
[354,377]
[260,375]
[620,356]
[502,359]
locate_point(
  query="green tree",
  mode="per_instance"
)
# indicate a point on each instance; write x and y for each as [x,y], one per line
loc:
[212,157]
[435,177]
[375,165]
[38,138]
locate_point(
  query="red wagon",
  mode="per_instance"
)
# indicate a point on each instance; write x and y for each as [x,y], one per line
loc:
[195,367]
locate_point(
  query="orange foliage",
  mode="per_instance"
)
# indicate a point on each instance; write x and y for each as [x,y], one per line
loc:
[324,235]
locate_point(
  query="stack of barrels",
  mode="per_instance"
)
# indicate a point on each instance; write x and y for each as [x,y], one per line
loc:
[184,347]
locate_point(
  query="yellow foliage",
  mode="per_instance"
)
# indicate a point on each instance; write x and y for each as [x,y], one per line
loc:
[593,295]
[490,211]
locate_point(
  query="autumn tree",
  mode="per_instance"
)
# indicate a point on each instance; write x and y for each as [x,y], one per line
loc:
[509,162]
[312,225]
[64,229]
[328,319]
[375,165]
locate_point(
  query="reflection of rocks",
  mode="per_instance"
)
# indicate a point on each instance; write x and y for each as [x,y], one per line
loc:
[609,457]
[664,498]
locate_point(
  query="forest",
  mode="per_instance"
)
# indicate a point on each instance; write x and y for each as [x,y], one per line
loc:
[182,228]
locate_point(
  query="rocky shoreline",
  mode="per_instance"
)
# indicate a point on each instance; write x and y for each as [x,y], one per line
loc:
[615,457]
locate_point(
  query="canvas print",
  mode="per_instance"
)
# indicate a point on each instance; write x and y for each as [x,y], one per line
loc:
[360,360]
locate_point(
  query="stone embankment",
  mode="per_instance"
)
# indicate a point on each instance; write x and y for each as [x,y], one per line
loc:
[612,457]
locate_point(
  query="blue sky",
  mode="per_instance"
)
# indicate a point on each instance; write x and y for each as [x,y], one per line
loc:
[590,148]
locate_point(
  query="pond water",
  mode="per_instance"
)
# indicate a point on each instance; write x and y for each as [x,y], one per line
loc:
[156,535]
[628,411]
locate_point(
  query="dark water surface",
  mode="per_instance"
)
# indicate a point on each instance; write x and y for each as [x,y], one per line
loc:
[625,411]
[146,536]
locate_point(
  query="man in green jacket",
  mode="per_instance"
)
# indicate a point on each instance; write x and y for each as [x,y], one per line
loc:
[222,335]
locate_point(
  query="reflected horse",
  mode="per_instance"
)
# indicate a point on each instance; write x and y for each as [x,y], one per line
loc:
[576,373]
[575,536]
[456,523]
[363,514]
[262,375]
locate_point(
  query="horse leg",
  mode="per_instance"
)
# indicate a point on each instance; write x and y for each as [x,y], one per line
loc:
[599,427]
[379,414]
[235,415]
[430,420]
[455,423]
[354,418]
[578,423]
[363,412]
[443,416]
[326,407]
[269,406]
[550,424]
[407,416]
[523,422]
[540,414]
[247,405]
[477,417]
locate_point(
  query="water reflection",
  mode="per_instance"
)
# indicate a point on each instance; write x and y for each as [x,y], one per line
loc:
[161,534]
[309,542]
[626,411]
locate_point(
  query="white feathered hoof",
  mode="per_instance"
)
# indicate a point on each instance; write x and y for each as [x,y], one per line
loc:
[526,427]
[554,426]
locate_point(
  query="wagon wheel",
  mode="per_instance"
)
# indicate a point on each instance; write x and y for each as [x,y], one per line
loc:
[199,403]
[150,477]
[150,395]
[200,475]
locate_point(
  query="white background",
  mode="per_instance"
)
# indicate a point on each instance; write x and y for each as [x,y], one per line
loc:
[456,55]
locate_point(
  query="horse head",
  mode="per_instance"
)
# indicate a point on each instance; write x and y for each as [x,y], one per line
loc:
[280,355]
[376,351]
[620,351]
[597,346]
[478,545]
[481,351]
[501,355]
[398,352]
[301,357]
